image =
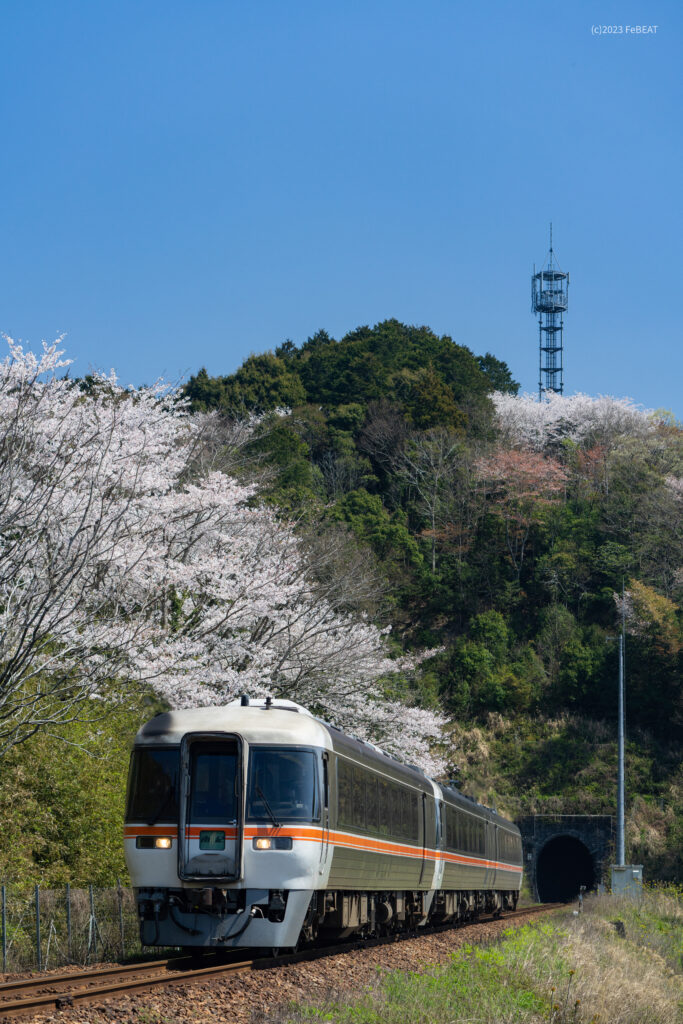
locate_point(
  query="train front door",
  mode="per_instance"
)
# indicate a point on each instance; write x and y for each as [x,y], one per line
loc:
[211,807]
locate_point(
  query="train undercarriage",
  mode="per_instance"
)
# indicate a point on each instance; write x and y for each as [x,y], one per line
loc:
[277,918]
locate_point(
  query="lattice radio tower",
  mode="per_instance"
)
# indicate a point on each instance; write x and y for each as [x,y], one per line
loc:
[550,299]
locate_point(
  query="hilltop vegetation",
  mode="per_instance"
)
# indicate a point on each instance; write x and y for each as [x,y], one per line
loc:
[503,530]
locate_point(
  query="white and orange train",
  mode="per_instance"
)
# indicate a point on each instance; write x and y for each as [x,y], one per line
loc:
[258,825]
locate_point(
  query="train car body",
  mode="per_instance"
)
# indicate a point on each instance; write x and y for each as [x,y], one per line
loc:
[258,825]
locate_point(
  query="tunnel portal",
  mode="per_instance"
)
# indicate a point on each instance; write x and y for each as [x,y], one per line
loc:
[564,865]
[565,851]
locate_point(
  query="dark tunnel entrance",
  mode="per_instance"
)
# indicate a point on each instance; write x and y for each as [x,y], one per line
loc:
[564,864]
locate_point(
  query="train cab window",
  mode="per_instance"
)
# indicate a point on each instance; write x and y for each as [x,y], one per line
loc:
[213,768]
[282,785]
[153,785]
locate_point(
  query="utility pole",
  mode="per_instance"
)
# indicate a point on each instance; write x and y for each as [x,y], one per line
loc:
[627,879]
[621,853]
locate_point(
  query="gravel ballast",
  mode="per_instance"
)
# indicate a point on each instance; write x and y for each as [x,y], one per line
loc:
[248,997]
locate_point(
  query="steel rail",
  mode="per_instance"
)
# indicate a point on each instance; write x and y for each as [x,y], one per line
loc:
[121,979]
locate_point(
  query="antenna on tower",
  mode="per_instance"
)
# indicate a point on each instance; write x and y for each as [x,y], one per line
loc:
[550,300]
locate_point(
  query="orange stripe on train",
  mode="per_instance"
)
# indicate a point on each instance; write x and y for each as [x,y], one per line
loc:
[346,840]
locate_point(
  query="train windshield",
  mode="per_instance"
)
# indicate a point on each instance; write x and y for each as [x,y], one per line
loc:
[213,797]
[283,785]
[153,785]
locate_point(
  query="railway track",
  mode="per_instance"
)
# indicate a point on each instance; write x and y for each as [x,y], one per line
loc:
[47,992]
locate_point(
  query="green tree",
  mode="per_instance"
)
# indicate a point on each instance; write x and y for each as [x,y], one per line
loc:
[498,374]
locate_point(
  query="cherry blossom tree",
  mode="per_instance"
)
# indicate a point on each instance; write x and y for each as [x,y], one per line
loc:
[525,422]
[127,557]
[75,530]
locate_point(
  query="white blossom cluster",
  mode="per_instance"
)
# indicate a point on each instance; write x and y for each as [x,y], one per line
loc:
[121,562]
[528,423]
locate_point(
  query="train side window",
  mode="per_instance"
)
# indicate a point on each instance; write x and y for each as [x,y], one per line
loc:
[458,831]
[345,790]
[358,797]
[372,806]
[414,818]
[409,823]
[384,798]
[396,810]
[405,813]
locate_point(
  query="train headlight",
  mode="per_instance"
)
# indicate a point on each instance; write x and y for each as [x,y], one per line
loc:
[272,843]
[154,842]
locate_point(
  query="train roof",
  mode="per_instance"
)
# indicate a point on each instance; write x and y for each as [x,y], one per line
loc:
[275,721]
[457,799]
[279,722]
[370,755]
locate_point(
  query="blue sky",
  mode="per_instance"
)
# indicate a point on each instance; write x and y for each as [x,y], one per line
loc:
[184,183]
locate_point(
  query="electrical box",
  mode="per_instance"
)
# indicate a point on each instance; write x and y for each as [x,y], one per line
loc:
[627,880]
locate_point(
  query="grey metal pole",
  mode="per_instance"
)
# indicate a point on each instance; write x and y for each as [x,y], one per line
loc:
[4,930]
[68,922]
[39,951]
[621,853]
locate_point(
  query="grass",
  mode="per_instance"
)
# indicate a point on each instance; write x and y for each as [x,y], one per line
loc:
[563,970]
[655,921]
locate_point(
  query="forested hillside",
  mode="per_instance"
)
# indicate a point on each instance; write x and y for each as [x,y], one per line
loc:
[503,532]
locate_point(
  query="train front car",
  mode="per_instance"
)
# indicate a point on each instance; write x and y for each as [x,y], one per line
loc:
[224,825]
